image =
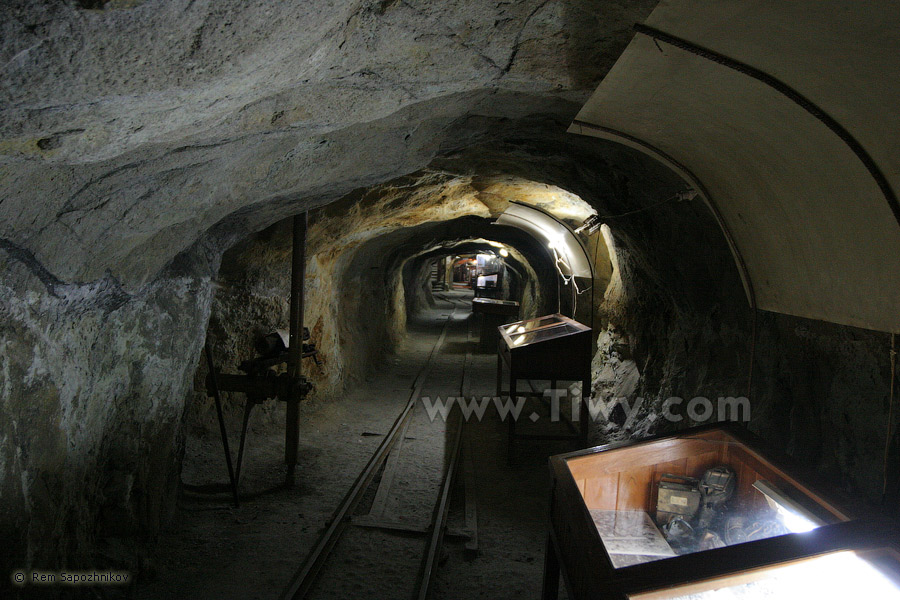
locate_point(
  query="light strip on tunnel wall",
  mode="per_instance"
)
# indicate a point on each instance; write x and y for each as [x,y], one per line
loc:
[555,234]
[563,245]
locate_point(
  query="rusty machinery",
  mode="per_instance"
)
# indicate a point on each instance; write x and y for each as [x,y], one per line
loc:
[260,382]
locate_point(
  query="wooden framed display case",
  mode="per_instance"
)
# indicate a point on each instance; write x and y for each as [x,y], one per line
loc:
[625,523]
[493,313]
[493,306]
[552,348]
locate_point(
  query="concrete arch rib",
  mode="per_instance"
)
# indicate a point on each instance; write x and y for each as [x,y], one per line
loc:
[793,146]
[606,133]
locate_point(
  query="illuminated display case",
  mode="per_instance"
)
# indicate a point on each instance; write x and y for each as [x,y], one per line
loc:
[706,514]
[551,348]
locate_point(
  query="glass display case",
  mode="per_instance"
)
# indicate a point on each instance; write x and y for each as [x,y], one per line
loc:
[531,324]
[492,313]
[708,513]
[506,308]
[551,348]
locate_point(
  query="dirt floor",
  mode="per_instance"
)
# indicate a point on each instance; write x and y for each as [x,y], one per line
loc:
[215,551]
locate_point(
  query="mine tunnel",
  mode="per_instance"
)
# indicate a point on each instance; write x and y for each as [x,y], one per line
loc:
[459,299]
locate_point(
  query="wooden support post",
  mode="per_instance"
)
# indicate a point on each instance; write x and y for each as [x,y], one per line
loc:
[214,388]
[295,365]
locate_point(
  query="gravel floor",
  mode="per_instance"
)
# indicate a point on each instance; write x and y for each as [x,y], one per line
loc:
[215,551]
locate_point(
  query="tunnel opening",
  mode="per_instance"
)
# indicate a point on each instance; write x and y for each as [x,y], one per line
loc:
[369,281]
[376,297]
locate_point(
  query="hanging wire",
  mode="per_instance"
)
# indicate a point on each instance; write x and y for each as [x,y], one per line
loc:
[679,196]
[559,263]
[887,443]
[595,221]
[567,279]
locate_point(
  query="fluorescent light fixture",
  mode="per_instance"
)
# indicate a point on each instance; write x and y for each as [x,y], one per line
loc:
[794,516]
[556,235]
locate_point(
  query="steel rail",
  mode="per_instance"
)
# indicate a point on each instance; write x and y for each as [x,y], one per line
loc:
[438,528]
[302,580]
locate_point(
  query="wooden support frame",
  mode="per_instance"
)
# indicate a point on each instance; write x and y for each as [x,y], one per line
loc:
[295,347]
[566,357]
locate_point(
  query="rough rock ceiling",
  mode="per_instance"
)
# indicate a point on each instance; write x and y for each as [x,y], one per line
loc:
[820,235]
[127,133]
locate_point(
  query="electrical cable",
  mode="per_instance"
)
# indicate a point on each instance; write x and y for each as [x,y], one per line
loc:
[559,262]
[805,103]
[595,221]
[593,282]
[678,197]
[753,333]
[890,421]
[558,295]
[574,300]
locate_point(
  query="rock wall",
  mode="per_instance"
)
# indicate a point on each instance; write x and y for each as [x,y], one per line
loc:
[365,256]
[92,384]
[821,393]
[677,323]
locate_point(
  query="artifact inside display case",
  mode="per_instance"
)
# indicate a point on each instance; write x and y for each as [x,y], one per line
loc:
[707,509]
[697,493]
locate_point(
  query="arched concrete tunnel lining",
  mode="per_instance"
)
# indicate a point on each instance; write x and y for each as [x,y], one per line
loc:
[806,249]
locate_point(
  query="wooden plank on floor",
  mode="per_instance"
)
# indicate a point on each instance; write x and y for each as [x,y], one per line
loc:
[379,504]
[373,522]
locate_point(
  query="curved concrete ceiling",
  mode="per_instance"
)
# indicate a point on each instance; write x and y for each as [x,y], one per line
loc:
[785,114]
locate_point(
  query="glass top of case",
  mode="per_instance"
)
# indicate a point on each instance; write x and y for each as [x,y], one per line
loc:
[542,334]
[681,495]
[532,324]
[834,576]
[495,301]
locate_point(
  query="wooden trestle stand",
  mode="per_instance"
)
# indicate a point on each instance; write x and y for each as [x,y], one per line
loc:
[261,384]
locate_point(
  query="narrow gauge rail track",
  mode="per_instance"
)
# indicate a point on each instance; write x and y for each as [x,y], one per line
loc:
[305,577]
